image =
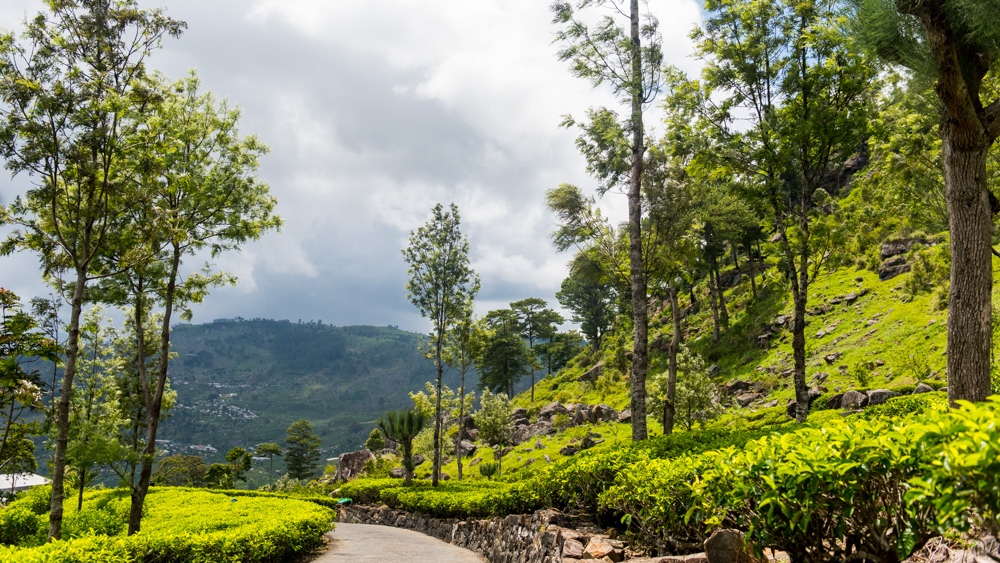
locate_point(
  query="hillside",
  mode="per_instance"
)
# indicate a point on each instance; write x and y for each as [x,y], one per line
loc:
[242,382]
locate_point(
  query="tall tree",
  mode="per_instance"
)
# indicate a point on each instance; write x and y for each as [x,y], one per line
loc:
[794,69]
[503,357]
[71,91]
[441,283]
[956,43]
[536,322]
[302,452]
[587,293]
[459,353]
[559,350]
[607,53]
[270,449]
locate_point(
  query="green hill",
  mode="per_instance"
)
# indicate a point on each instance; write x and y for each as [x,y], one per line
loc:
[242,382]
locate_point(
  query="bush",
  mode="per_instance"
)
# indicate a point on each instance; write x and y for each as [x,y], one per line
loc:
[488,469]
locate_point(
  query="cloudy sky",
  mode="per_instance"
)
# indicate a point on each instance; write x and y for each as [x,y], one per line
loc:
[375,111]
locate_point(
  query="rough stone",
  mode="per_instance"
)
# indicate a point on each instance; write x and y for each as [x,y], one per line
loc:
[625,416]
[727,546]
[830,359]
[569,450]
[418,459]
[572,548]
[835,401]
[887,273]
[600,548]
[524,433]
[519,412]
[552,409]
[738,386]
[879,396]
[397,473]
[791,406]
[475,461]
[351,464]
[589,442]
[853,400]
[745,399]
[712,370]
[922,388]
[468,448]
[603,413]
[539,445]
[593,373]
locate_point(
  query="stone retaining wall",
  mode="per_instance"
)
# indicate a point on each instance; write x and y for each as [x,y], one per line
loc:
[532,538]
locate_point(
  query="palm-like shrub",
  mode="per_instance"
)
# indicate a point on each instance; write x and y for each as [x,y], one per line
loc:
[401,427]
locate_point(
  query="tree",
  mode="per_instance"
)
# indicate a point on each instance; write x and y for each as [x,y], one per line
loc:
[270,449]
[607,54]
[375,443]
[441,284]
[536,321]
[71,92]
[957,44]
[202,195]
[588,294]
[503,355]
[695,394]
[805,86]
[240,461]
[21,389]
[459,353]
[494,422]
[402,427]
[302,452]
[181,470]
[557,352]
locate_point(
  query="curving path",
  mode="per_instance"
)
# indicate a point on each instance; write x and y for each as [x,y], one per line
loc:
[366,543]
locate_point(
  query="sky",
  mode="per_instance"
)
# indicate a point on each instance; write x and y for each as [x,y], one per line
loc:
[374,112]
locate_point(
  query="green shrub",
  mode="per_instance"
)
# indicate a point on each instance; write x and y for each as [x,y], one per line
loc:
[368,491]
[905,405]
[21,526]
[488,469]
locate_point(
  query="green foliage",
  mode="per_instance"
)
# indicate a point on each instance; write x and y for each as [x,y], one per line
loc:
[378,468]
[375,442]
[402,427]
[931,269]
[181,470]
[302,452]
[185,525]
[488,469]
[494,421]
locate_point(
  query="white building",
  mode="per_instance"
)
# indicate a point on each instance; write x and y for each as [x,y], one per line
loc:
[18,482]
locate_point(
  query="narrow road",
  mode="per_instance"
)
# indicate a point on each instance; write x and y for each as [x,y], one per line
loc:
[365,543]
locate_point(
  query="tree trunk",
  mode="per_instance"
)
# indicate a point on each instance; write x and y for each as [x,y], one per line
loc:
[637,277]
[461,423]
[721,294]
[62,414]
[715,306]
[669,404]
[736,261]
[694,299]
[437,418]
[800,298]
[753,278]
[83,480]
[971,227]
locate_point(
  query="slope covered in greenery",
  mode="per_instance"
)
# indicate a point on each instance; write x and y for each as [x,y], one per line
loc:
[243,382]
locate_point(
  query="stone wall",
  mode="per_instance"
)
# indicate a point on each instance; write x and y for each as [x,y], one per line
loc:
[531,538]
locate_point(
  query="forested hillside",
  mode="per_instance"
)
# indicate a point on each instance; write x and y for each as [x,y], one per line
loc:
[243,382]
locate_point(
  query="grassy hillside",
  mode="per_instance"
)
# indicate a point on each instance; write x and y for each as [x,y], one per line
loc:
[240,383]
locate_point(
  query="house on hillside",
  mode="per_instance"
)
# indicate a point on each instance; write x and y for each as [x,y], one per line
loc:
[18,482]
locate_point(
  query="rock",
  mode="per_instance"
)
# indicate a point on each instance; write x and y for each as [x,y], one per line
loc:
[475,461]
[897,247]
[589,442]
[603,413]
[830,359]
[518,422]
[770,404]
[524,433]
[887,273]
[552,409]
[581,414]
[820,377]
[780,320]
[851,298]
[727,546]
[853,400]
[879,396]
[547,458]
[737,386]
[593,373]
[569,450]
[693,558]
[625,416]
[468,448]
[539,445]
[572,548]
[418,459]
[397,473]
[351,464]
[519,412]
[790,408]
[922,388]
[835,401]
[712,370]
[445,476]
[599,548]
[745,399]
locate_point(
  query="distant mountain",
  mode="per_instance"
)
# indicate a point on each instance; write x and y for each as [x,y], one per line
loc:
[243,382]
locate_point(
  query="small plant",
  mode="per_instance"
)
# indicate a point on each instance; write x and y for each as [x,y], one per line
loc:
[560,421]
[861,374]
[488,469]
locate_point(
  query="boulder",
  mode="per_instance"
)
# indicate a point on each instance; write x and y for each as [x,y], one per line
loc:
[581,415]
[599,548]
[713,370]
[468,448]
[520,422]
[539,445]
[470,434]
[791,406]
[820,378]
[602,413]
[593,373]
[351,464]
[397,473]
[737,386]
[744,399]
[922,388]
[728,546]
[519,412]
[835,401]
[445,476]
[879,396]
[569,450]
[886,273]
[524,433]
[830,359]
[551,410]
[625,416]
[589,442]
[418,459]
[853,400]
[475,461]
[572,548]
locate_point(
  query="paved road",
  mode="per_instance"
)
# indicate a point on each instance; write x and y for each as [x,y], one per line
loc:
[365,543]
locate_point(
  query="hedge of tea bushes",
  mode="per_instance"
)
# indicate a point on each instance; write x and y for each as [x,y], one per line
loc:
[179,525]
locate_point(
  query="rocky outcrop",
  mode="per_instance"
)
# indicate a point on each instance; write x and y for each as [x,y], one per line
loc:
[351,464]
[551,410]
[524,433]
[853,400]
[728,546]
[592,374]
